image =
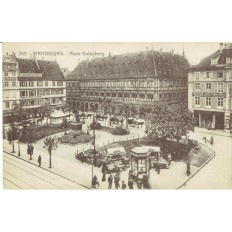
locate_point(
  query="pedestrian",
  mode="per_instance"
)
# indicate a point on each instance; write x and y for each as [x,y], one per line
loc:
[110,181]
[32,149]
[188,163]
[123,185]
[169,158]
[103,177]
[39,160]
[104,167]
[28,149]
[116,181]
[158,168]
[130,184]
[95,182]
[188,172]
[139,184]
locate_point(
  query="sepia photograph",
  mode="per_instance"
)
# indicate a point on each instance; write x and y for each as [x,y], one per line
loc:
[117,116]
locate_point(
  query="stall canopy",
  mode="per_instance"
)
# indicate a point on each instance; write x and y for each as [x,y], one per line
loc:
[145,149]
[116,150]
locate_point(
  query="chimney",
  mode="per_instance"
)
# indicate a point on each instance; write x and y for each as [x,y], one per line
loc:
[161,51]
[221,47]
[109,54]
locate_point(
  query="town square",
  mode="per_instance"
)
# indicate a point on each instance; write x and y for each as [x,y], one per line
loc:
[139,120]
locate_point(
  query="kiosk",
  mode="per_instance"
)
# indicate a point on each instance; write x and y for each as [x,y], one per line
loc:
[139,164]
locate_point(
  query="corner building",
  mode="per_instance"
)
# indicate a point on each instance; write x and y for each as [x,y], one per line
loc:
[210,90]
[139,78]
[31,82]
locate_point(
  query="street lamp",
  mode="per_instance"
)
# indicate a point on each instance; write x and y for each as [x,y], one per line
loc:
[94,146]
[19,136]
[12,129]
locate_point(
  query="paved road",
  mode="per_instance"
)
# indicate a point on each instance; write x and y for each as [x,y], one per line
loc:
[19,174]
[217,174]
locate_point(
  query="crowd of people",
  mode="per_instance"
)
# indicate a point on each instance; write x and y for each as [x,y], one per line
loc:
[115,179]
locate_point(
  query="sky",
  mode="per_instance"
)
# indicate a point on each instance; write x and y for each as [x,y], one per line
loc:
[70,54]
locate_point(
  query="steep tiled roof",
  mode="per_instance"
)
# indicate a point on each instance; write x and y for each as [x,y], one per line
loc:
[205,64]
[50,69]
[134,65]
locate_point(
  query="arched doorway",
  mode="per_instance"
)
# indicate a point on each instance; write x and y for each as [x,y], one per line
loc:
[82,106]
[96,106]
[78,105]
[91,107]
[74,105]
[86,106]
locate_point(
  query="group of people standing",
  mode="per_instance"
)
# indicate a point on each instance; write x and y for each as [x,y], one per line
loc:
[30,150]
[116,180]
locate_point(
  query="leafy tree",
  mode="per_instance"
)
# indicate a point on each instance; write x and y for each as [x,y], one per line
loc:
[28,133]
[108,106]
[133,110]
[20,112]
[144,110]
[126,110]
[169,121]
[49,145]
[76,114]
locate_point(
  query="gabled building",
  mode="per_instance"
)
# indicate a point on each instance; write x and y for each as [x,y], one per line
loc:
[32,82]
[210,89]
[138,78]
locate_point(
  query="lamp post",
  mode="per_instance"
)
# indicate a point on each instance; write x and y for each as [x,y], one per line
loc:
[12,129]
[94,146]
[19,149]
[19,136]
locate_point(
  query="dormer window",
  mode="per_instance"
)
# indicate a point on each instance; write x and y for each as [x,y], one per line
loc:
[214,61]
[228,60]
[208,74]
[197,74]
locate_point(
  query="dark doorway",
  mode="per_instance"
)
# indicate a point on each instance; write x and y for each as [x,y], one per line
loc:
[219,121]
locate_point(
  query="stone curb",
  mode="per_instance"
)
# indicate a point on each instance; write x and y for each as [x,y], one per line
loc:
[203,165]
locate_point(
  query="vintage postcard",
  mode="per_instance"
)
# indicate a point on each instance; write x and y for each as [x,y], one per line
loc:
[117,116]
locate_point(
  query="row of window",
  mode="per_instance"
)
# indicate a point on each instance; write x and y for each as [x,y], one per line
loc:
[32,83]
[172,95]
[215,60]
[9,94]
[133,96]
[39,93]
[38,102]
[208,101]
[9,73]
[126,96]
[9,84]
[211,74]
[40,83]
[208,87]
[136,83]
